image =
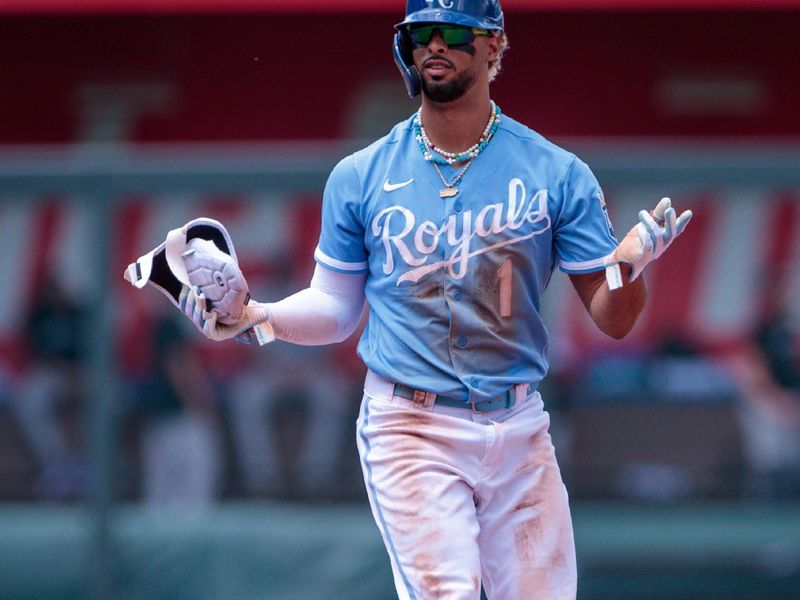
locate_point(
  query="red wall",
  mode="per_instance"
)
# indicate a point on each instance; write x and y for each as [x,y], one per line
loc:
[253,77]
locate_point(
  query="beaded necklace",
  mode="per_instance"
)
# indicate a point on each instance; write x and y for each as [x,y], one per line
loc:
[437,156]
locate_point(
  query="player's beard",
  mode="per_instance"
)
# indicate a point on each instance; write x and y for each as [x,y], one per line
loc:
[448,91]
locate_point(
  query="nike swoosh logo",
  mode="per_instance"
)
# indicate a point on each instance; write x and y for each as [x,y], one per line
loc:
[390,187]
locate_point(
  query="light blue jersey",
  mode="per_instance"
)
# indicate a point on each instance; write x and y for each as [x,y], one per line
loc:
[454,284]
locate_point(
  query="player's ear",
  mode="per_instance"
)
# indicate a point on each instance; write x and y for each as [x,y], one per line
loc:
[493,47]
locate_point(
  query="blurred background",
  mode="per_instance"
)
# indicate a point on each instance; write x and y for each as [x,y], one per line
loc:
[138,461]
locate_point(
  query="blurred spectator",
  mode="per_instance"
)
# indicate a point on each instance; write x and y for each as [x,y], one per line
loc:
[277,384]
[681,370]
[769,380]
[181,442]
[656,424]
[52,384]
[290,406]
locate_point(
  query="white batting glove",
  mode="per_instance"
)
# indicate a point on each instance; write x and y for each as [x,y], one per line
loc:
[254,319]
[218,276]
[646,241]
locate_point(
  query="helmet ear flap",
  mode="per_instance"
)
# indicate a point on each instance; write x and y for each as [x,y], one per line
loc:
[402,50]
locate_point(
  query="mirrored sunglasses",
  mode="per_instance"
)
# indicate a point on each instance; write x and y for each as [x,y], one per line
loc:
[453,35]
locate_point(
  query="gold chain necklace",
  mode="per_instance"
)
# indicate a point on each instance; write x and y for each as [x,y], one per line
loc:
[450,190]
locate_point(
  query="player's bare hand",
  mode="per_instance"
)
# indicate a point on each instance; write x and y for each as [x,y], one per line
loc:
[650,237]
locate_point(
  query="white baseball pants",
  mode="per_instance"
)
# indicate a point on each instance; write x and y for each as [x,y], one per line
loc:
[464,498]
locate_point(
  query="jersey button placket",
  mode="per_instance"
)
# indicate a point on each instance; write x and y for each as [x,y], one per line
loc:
[461,341]
[457,206]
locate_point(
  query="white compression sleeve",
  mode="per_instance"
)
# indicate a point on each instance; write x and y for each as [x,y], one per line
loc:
[328,311]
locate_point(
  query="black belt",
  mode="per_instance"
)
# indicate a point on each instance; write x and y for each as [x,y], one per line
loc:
[505,400]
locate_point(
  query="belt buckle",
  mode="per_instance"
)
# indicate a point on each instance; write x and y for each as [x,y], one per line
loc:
[419,397]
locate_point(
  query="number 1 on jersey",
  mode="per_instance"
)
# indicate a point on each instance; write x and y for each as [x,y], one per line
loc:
[504,274]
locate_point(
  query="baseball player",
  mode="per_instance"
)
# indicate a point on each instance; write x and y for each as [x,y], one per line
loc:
[450,227]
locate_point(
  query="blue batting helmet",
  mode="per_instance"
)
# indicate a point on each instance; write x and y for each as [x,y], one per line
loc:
[485,14]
